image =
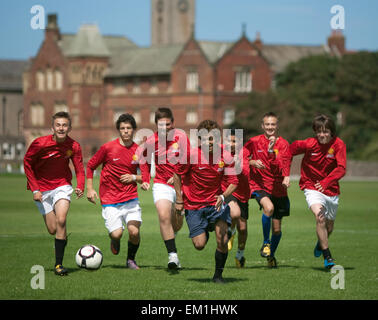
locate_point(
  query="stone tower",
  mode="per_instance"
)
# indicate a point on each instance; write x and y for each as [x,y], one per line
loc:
[172,21]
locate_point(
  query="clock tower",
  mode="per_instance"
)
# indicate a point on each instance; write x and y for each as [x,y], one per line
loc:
[172,21]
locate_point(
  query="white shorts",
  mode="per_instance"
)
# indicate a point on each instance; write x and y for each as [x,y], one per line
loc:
[162,191]
[116,216]
[50,197]
[329,203]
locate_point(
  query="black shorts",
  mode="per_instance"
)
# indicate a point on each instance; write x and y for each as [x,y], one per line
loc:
[281,204]
[244,207]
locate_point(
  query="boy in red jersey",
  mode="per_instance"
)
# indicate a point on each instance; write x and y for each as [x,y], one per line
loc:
[269,179]
[168,147]
[118,188]
[205,208]
[238,201]
[49,176]
[323,165]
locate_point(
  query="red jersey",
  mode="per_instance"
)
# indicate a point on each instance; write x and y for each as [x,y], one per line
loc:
[277,165]
[167,153]
[117,160]
[325,163]
[46,164]
[242,192]
[203,178]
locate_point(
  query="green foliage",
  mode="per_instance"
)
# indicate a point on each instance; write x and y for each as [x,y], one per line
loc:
[344,88]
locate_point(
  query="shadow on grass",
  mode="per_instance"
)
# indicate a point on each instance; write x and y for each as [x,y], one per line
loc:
[70,270]
[171,271]
[226,280]
[322,269]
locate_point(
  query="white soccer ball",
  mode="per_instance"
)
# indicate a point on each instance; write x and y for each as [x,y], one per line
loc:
[89,257]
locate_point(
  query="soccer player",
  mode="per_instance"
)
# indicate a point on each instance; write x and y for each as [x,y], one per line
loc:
[205,208]
[269,180]
[168,147]
[323,165]
[238,201]
[49,177]
[118,187]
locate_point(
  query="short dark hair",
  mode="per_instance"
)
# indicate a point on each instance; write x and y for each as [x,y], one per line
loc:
[61,114]
[322,122]
[269,114]
[127,118]
[163,113]
[208,125]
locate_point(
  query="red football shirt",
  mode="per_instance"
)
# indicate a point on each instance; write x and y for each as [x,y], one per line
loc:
[277,165]
[325,163]
[167,153]
[46,164]
[202,177]
[117,160]
[242,191]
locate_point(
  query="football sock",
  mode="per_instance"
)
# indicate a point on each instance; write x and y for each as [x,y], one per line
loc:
[239,254]
[220,261]
[132,250]
[274,243]
[170,245]
[326,253]
[266,222]
[60,244]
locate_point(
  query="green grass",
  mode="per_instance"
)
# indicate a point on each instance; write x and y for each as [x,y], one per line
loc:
[24,242]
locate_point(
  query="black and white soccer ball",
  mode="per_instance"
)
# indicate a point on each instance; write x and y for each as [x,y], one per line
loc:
[89,257]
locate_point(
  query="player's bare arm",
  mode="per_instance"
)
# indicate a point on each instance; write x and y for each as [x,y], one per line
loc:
[179,205]
[37,196]
[220,198]
[286,182]
[258,164]
[79,193]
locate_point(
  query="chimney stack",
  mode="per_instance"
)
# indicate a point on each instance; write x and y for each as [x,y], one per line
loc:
[52,29]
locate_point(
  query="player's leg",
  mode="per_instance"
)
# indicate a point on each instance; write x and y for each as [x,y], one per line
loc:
[61,210]
[177,219]
[235,215]
[133,228]
[221,251]
[50,222]
[275,240]
[164,209]
[114,224]
[266,218]
[242,228]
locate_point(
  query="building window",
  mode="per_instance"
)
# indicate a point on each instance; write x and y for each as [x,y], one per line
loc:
[152,117]
[191,117]
[95,100]
[243,81]
[8,151]
[37,115]
[20,150]
[60,106]
[154,87]
[75,117]
[117,113]
[76,97]
[137,117]
[136,87]
[49,79]
[228,116]
[58,80]
[40,80]
[192,81]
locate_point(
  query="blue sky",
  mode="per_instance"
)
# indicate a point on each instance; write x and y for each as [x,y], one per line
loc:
[278,21]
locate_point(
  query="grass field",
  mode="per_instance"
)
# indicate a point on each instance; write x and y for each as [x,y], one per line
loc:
[24,242]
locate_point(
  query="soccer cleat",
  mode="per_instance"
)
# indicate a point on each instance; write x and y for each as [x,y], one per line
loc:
[329,263]
[115,246]
[265,250]
[131,264]
[60,270]
[240,262]
[317,250]
[173,261]
[272,262]
[218,280]
[231,237]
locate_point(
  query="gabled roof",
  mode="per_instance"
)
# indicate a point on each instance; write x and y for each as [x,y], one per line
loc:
[214,50]
[11,74]
[144,61]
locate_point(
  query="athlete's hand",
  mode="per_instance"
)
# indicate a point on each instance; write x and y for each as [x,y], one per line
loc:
[219,203]
[79,193]
[145,186]
[319,187]
[179,207]
[272,141]
[170,181]
[286,182]
[92,195]
[126,178]
[37,196]
[258,164]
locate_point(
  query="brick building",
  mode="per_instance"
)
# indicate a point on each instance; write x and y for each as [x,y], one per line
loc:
[96,77]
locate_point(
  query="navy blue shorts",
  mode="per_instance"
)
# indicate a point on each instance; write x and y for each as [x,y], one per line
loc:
[204,220]
[281,204]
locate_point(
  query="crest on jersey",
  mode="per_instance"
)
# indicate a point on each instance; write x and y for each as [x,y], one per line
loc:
[135,159]
[331,152]
[69,153]
[276,151]
[220,165]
